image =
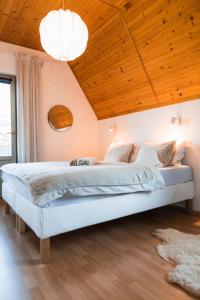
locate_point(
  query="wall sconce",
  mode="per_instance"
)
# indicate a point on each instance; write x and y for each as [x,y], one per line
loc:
[177,120]
[112,129]
[177,129]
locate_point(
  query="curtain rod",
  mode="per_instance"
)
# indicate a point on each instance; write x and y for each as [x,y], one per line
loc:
[14,49]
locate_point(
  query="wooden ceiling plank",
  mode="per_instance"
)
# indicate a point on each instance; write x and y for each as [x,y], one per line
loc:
[118,4]
[114,30]
[168,45]
[9,10]
[140,57]
[141,54]
[179,32]
[156,16]
[33,11]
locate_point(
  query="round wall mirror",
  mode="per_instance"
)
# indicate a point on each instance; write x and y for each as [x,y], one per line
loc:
[60,118]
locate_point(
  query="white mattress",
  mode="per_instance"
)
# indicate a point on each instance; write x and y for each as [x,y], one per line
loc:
[176,174]
[172,176]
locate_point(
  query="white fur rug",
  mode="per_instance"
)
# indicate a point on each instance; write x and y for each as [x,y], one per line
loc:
[184,251]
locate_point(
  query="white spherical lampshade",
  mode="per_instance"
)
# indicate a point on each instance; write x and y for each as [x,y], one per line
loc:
[63,35]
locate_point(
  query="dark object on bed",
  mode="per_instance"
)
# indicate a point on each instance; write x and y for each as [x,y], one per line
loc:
[79,162]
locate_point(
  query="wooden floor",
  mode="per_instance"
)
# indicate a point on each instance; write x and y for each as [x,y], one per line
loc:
[115,260]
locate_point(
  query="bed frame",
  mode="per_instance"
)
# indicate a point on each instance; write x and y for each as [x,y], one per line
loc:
[54,220]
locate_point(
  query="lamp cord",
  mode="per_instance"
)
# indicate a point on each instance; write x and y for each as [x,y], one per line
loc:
[63,4]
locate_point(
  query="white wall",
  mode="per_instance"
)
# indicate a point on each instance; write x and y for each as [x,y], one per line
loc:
[58,86]
[155,124]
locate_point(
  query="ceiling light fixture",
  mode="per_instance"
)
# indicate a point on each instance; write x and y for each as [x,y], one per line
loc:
[63,34]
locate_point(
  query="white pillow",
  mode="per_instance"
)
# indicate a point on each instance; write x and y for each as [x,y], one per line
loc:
[180,150]
[118,153]
[134,153]
[165,152]
[147,155]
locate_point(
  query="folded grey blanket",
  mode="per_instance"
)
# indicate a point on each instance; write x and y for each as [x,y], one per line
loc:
[79,162]
[49,181]
[84,161]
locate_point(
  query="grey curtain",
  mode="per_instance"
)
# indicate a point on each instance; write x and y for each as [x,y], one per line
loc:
[28,87]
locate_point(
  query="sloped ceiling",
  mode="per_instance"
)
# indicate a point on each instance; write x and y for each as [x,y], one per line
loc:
[141,53]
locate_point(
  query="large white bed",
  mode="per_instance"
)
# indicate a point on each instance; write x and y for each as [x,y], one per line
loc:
[69,213]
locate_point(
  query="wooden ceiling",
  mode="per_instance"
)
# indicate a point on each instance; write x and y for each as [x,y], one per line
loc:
[141,53]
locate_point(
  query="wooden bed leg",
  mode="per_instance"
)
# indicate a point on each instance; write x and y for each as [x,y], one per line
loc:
[45,252]
[21,225]
[189,206]
[17,222]
[6,208]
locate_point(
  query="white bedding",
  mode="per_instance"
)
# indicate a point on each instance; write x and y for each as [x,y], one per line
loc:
[46,182]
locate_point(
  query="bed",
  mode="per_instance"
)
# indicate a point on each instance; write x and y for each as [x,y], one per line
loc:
[67,213]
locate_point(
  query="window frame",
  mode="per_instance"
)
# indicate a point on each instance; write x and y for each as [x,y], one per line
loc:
[13,157]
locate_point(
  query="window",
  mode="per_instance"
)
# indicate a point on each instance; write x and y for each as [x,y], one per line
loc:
[7,119]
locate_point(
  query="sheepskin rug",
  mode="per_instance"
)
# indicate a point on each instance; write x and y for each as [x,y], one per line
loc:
[183,250]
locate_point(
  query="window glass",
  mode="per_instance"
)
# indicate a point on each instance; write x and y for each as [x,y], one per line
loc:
[5,120]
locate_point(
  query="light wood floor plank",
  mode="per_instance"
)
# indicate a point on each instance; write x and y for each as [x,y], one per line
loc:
[115,260]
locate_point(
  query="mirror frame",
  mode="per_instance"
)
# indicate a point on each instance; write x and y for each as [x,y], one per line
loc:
[59,107]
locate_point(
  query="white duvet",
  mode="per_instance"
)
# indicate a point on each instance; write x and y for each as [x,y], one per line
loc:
[46,182]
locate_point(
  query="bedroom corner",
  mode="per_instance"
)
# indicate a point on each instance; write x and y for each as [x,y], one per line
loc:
[99,150]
